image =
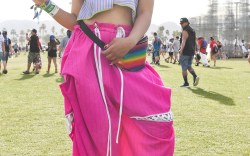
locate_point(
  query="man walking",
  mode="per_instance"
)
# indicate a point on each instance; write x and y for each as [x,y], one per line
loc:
[188,46]
[157,45]
[63,44]
[8,49]
[2,49]
[176,47]
[34,53]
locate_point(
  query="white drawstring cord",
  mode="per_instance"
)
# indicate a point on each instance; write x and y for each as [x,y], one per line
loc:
[100,79]
[120,33]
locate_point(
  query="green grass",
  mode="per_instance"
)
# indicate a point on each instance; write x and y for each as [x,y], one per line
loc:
[211,119]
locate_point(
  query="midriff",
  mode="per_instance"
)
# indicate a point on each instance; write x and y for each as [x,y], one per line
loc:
[117,15]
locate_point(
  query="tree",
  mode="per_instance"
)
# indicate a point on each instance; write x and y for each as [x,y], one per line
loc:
[22,37]
[42,29]
[53,29]
[62,31]
[176,33]
[13,33]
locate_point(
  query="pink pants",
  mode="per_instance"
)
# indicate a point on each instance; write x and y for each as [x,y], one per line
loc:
[146,127]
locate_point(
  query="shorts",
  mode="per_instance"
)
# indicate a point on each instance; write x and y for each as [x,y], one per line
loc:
[186,62]
[33,58]
[1,56]
[52,54]
[6,56]
[171,53]
[156,53]
[15,50]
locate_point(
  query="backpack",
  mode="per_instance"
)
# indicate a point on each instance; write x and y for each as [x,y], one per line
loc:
[215,48]
[204,44]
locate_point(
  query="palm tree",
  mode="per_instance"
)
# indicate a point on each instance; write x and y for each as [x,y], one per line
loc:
[13,33]
[53,29]
[22,38]
[42,29]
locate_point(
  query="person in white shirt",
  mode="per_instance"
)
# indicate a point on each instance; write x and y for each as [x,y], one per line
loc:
[243,48]
[176,48]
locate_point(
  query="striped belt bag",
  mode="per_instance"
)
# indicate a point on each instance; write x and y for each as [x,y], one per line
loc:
[133,61]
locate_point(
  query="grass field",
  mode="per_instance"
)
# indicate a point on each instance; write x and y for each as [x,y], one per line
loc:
[211,119]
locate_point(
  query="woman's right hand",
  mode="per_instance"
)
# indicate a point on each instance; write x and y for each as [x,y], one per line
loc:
[39,2]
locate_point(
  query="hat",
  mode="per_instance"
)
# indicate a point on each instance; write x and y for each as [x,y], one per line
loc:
[4,32]
[34,30]
[52,37]
[183,20]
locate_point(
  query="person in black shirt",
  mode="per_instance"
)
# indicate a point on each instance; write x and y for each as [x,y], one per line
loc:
[187,51]
[34,53]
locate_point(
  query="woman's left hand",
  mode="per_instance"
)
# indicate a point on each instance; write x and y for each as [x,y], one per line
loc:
[118,48]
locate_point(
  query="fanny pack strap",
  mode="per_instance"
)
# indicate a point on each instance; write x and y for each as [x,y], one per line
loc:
[91,35]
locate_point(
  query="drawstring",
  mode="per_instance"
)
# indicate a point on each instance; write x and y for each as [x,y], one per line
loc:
[120,33]
[100,79]
[97,55]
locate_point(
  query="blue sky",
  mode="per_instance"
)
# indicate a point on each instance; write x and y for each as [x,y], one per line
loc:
[164,10]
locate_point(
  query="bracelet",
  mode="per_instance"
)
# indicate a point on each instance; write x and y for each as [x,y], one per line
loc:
[50,7]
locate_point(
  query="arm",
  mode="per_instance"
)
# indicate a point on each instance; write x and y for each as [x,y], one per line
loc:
[184,40]
[68,20]
[119,47]
[27,37]
[144,15]
[3,47]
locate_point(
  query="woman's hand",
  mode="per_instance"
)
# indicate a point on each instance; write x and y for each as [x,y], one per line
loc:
[117,48]
[39,2]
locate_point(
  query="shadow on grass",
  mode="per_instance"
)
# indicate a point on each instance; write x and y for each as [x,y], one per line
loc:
[221,68]
[25,77]
[48,75]
[163,66]
[213,96]
[60,80]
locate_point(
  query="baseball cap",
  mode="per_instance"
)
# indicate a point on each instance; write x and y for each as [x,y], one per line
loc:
[183,20]
[34,30]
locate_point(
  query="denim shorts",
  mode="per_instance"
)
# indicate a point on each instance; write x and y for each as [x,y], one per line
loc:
[186,62]
[156,53]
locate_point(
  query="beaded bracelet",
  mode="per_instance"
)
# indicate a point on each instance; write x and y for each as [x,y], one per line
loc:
[50,7]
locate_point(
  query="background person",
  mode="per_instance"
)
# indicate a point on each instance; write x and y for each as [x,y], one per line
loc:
[34,52]
[52,52]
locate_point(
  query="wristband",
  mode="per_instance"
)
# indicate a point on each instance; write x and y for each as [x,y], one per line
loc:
[50,7]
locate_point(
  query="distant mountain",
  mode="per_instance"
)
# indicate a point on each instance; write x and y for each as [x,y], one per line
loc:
[19,25]
[171,26]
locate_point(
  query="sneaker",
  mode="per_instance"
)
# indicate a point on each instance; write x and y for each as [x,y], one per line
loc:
[196,81]
[5,71]
[185,85]
[26,72]
[37,72]
[197,64]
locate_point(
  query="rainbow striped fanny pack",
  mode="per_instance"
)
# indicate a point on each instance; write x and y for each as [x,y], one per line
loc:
[133,61]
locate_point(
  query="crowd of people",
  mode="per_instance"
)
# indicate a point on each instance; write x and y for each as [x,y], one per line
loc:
[34,49]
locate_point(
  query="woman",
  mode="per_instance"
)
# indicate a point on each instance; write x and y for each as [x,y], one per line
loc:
[214,50]
[112,111]
[220,46]
[52,52]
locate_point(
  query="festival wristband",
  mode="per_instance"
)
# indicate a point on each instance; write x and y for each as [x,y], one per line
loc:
[50,7]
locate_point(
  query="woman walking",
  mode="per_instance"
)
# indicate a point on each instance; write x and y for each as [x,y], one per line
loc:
[52,52]
[214,50]
[115,102]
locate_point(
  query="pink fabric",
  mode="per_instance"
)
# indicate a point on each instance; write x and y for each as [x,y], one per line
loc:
[144,95]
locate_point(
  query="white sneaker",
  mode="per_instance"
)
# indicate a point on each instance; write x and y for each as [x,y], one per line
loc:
[196,81]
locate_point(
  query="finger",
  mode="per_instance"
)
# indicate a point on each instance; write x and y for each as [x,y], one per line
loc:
[107,51]
[111,57]
[115,61]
